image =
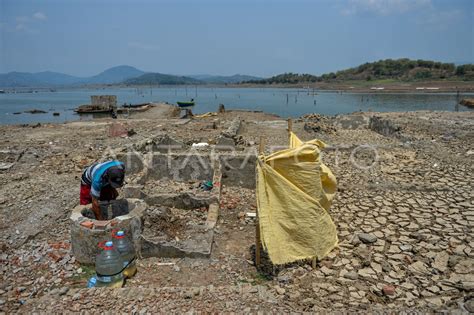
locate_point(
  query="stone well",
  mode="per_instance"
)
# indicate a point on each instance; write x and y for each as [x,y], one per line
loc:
[87,232]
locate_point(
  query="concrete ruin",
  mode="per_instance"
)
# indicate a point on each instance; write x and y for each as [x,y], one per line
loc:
[161,184]
[165,183]
[384,127]
[106,101]
[87,232]
[99,103]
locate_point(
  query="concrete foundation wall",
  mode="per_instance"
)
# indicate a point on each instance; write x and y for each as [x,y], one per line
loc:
[383,126]
[199,246]
[181,200]
[238,170]
[180,167]
[134,162]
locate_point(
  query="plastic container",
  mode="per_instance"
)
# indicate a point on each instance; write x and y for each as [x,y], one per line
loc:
[109,266]
[127,252]
[92,282]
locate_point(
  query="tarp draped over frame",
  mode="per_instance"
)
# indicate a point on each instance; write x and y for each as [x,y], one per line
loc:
[294,193]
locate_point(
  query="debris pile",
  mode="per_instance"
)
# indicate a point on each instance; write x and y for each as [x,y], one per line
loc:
[171,223]
[154,187]
[318,123]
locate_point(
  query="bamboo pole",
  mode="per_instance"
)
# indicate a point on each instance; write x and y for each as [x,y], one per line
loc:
[290,127]
[261,149]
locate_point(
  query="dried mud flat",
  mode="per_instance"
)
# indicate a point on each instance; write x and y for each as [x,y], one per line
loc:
[404,213]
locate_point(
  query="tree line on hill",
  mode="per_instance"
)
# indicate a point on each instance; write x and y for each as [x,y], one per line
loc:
[400,69]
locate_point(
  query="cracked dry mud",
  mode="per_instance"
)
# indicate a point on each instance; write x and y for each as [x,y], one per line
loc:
[404,225]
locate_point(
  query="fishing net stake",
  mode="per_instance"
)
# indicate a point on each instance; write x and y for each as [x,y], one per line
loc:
[261,148]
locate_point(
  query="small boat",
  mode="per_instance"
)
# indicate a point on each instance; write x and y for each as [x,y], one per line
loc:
[35,111]
[92,109]
[134,109]
[186,104]
[135,105]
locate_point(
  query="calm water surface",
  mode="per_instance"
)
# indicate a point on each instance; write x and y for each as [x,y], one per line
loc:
[283,102]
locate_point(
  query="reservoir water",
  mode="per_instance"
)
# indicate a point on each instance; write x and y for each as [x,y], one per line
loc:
[283,102]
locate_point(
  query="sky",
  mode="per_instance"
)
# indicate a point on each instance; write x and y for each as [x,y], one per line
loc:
[225,37]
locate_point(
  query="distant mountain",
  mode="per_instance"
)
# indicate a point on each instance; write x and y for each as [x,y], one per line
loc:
[25,79]
[42,79]
[114,75]
[218,79]
[117,75]
[159,78]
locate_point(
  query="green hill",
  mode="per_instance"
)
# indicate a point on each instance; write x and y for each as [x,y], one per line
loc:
[219,79]
[287,78]
[159,78]
[404,70]
[399,70]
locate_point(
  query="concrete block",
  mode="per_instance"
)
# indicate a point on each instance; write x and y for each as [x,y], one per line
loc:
[180,167]
[233,129]
[181,200]
[238,170]
[133,191]
[212,215]
[198,244]
[225,144]
[134,162]
[382,126]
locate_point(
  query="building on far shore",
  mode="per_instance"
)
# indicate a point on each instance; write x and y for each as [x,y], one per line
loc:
[107,101]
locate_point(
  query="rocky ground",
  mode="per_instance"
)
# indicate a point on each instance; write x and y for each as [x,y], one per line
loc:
[404,214]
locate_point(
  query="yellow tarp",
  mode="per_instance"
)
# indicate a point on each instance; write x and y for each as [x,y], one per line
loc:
[208,114]
[294,193]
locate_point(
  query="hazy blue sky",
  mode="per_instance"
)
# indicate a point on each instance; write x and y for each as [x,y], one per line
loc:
[226,37]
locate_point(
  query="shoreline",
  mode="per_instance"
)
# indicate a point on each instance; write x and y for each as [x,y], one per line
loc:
[164,107]
[347,86]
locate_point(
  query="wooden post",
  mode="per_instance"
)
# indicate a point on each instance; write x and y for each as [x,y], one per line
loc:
[290,127]
[261,149]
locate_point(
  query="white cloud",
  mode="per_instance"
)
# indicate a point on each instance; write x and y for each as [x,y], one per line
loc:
[27,23]
[442,19]
[40,16]
[144,46]
[22,19]
[383,7]
[21,27]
